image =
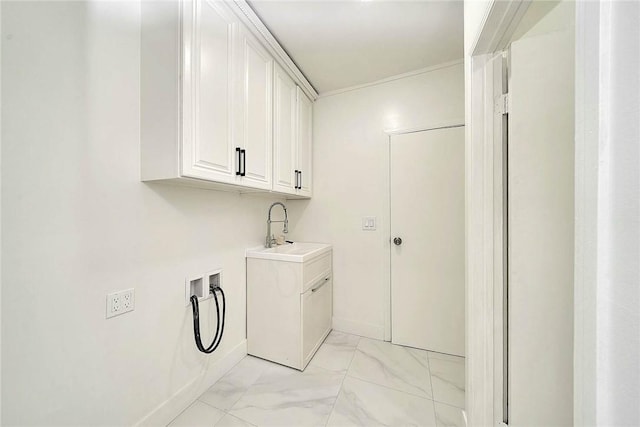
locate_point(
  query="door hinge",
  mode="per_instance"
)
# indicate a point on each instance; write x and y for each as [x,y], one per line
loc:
[501,105]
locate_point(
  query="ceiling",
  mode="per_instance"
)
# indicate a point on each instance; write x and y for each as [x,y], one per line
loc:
[339,44]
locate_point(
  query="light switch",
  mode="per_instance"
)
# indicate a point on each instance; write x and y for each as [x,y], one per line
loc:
[369,223]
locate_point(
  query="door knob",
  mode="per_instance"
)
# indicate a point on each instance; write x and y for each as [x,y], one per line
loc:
[397,241]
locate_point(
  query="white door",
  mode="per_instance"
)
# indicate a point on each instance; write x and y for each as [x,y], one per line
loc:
[284,132]
[305,129]
[540,223]
[256,107]
[427,214]
[208,151]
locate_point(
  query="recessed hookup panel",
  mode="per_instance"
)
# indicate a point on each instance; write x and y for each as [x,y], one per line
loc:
[194,286]
[202,285]
[214,279]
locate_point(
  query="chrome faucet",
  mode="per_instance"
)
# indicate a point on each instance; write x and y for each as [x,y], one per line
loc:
[270,239]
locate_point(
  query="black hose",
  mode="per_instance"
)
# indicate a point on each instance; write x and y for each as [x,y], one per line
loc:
[219,326]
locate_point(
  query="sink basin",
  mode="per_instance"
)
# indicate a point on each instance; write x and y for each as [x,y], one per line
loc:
[291,252]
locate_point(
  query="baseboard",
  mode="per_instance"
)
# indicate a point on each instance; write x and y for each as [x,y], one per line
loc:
[368,330]
[169,409]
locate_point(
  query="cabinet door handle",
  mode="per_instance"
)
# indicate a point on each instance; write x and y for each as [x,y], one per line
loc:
[296,184]
[238,152]
[300,183]
[243,153]
[324,282]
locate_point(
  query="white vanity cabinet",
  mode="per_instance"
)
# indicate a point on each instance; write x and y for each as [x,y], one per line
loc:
[207,86]
[289,306]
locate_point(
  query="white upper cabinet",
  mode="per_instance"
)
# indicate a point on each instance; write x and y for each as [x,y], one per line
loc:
[305,129]
[292,137]
[256,133]
[209,70]
[285,160]
[209,99]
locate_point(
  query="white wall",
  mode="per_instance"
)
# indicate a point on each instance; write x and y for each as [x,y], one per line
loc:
[619,293]
[350,163]
[607,297]
[77,224]
[541,217]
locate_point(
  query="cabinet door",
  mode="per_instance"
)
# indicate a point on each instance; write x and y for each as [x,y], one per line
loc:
[316,317]
[284,132]
[305,120]
[256,107]
[209,32]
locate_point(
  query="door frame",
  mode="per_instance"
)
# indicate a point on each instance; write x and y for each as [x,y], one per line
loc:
[593,29]
[485,217]
[386,216]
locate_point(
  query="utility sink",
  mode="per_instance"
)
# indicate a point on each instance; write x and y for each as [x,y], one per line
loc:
[291,252]
[289,301]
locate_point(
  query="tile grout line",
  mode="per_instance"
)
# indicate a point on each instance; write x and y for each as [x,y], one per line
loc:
[431,376]
[428,353]
[226,411]
[409,351]
[393,389]
[342,382]
[449,405]
[346,374]
[244,393]
[210,405]
[257,379]
[191,405]
[433,395]
[432,399]
[182,412]
[227,373]
[234,416]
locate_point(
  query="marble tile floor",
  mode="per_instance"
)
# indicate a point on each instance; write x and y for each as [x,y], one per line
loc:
[350,381]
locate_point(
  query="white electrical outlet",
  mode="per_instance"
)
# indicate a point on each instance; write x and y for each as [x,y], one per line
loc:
[120,302]
[127,301]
